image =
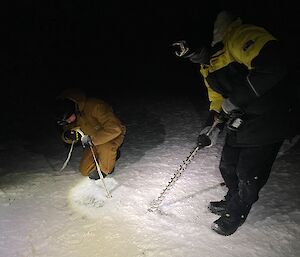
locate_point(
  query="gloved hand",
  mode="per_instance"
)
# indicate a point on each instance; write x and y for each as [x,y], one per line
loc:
[234,114]
[86,141]
[71,135]
[199,55]
[181,48]
[208,140]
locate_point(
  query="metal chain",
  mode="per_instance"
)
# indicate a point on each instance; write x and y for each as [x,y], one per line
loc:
[177,174]
[155,203]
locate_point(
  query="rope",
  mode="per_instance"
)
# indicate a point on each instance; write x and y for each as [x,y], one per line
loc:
[68,158]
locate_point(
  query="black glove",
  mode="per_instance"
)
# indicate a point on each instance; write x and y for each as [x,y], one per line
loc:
[86,141]
[211,138]
[234,115]
[199,55]
[203,140]
[71,135]
[208,140]
[181,48]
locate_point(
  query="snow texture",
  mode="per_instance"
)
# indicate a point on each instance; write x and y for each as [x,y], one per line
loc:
[48,213]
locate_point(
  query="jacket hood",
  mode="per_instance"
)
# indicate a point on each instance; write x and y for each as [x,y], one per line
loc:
[75,95]
[222,22]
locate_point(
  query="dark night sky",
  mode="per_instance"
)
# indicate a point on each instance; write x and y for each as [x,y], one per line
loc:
[107,47]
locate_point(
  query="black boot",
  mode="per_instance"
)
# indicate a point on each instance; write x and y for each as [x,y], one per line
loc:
[218,207]
[95,175]
[227,224]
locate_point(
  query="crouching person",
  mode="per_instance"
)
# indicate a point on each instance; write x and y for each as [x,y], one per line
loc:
[93,122]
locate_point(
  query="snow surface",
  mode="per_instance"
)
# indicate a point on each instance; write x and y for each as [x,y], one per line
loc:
[47,213]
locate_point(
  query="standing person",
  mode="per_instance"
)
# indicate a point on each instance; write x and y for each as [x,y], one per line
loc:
[101,128]
[243,71]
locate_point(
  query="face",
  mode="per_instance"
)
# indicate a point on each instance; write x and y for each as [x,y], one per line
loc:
[71,119]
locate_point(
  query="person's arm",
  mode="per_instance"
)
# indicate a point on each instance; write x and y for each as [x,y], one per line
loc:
[215,99]
[215,107]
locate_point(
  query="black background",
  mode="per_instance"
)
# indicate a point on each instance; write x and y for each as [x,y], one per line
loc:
[120,48]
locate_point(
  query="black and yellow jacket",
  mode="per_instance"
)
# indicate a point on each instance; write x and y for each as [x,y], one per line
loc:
[249,70]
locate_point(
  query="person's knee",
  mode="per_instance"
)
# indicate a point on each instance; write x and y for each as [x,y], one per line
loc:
[87,163]
[107,169]
[84,171]
[86,167]
[108,161]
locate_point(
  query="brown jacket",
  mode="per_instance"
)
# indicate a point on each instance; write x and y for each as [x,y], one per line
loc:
[94,117]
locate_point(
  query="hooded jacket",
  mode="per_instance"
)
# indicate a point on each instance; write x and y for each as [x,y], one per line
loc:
[249,70]
[94,117]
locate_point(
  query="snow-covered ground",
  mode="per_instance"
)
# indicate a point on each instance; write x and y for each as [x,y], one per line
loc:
[48,213]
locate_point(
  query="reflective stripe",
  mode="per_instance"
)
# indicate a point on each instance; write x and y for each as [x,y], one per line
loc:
[251,85]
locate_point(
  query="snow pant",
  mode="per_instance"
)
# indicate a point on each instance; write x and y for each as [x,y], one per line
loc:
[245,171]
[106,155]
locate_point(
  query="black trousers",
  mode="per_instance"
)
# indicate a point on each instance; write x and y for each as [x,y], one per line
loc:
[245,171]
